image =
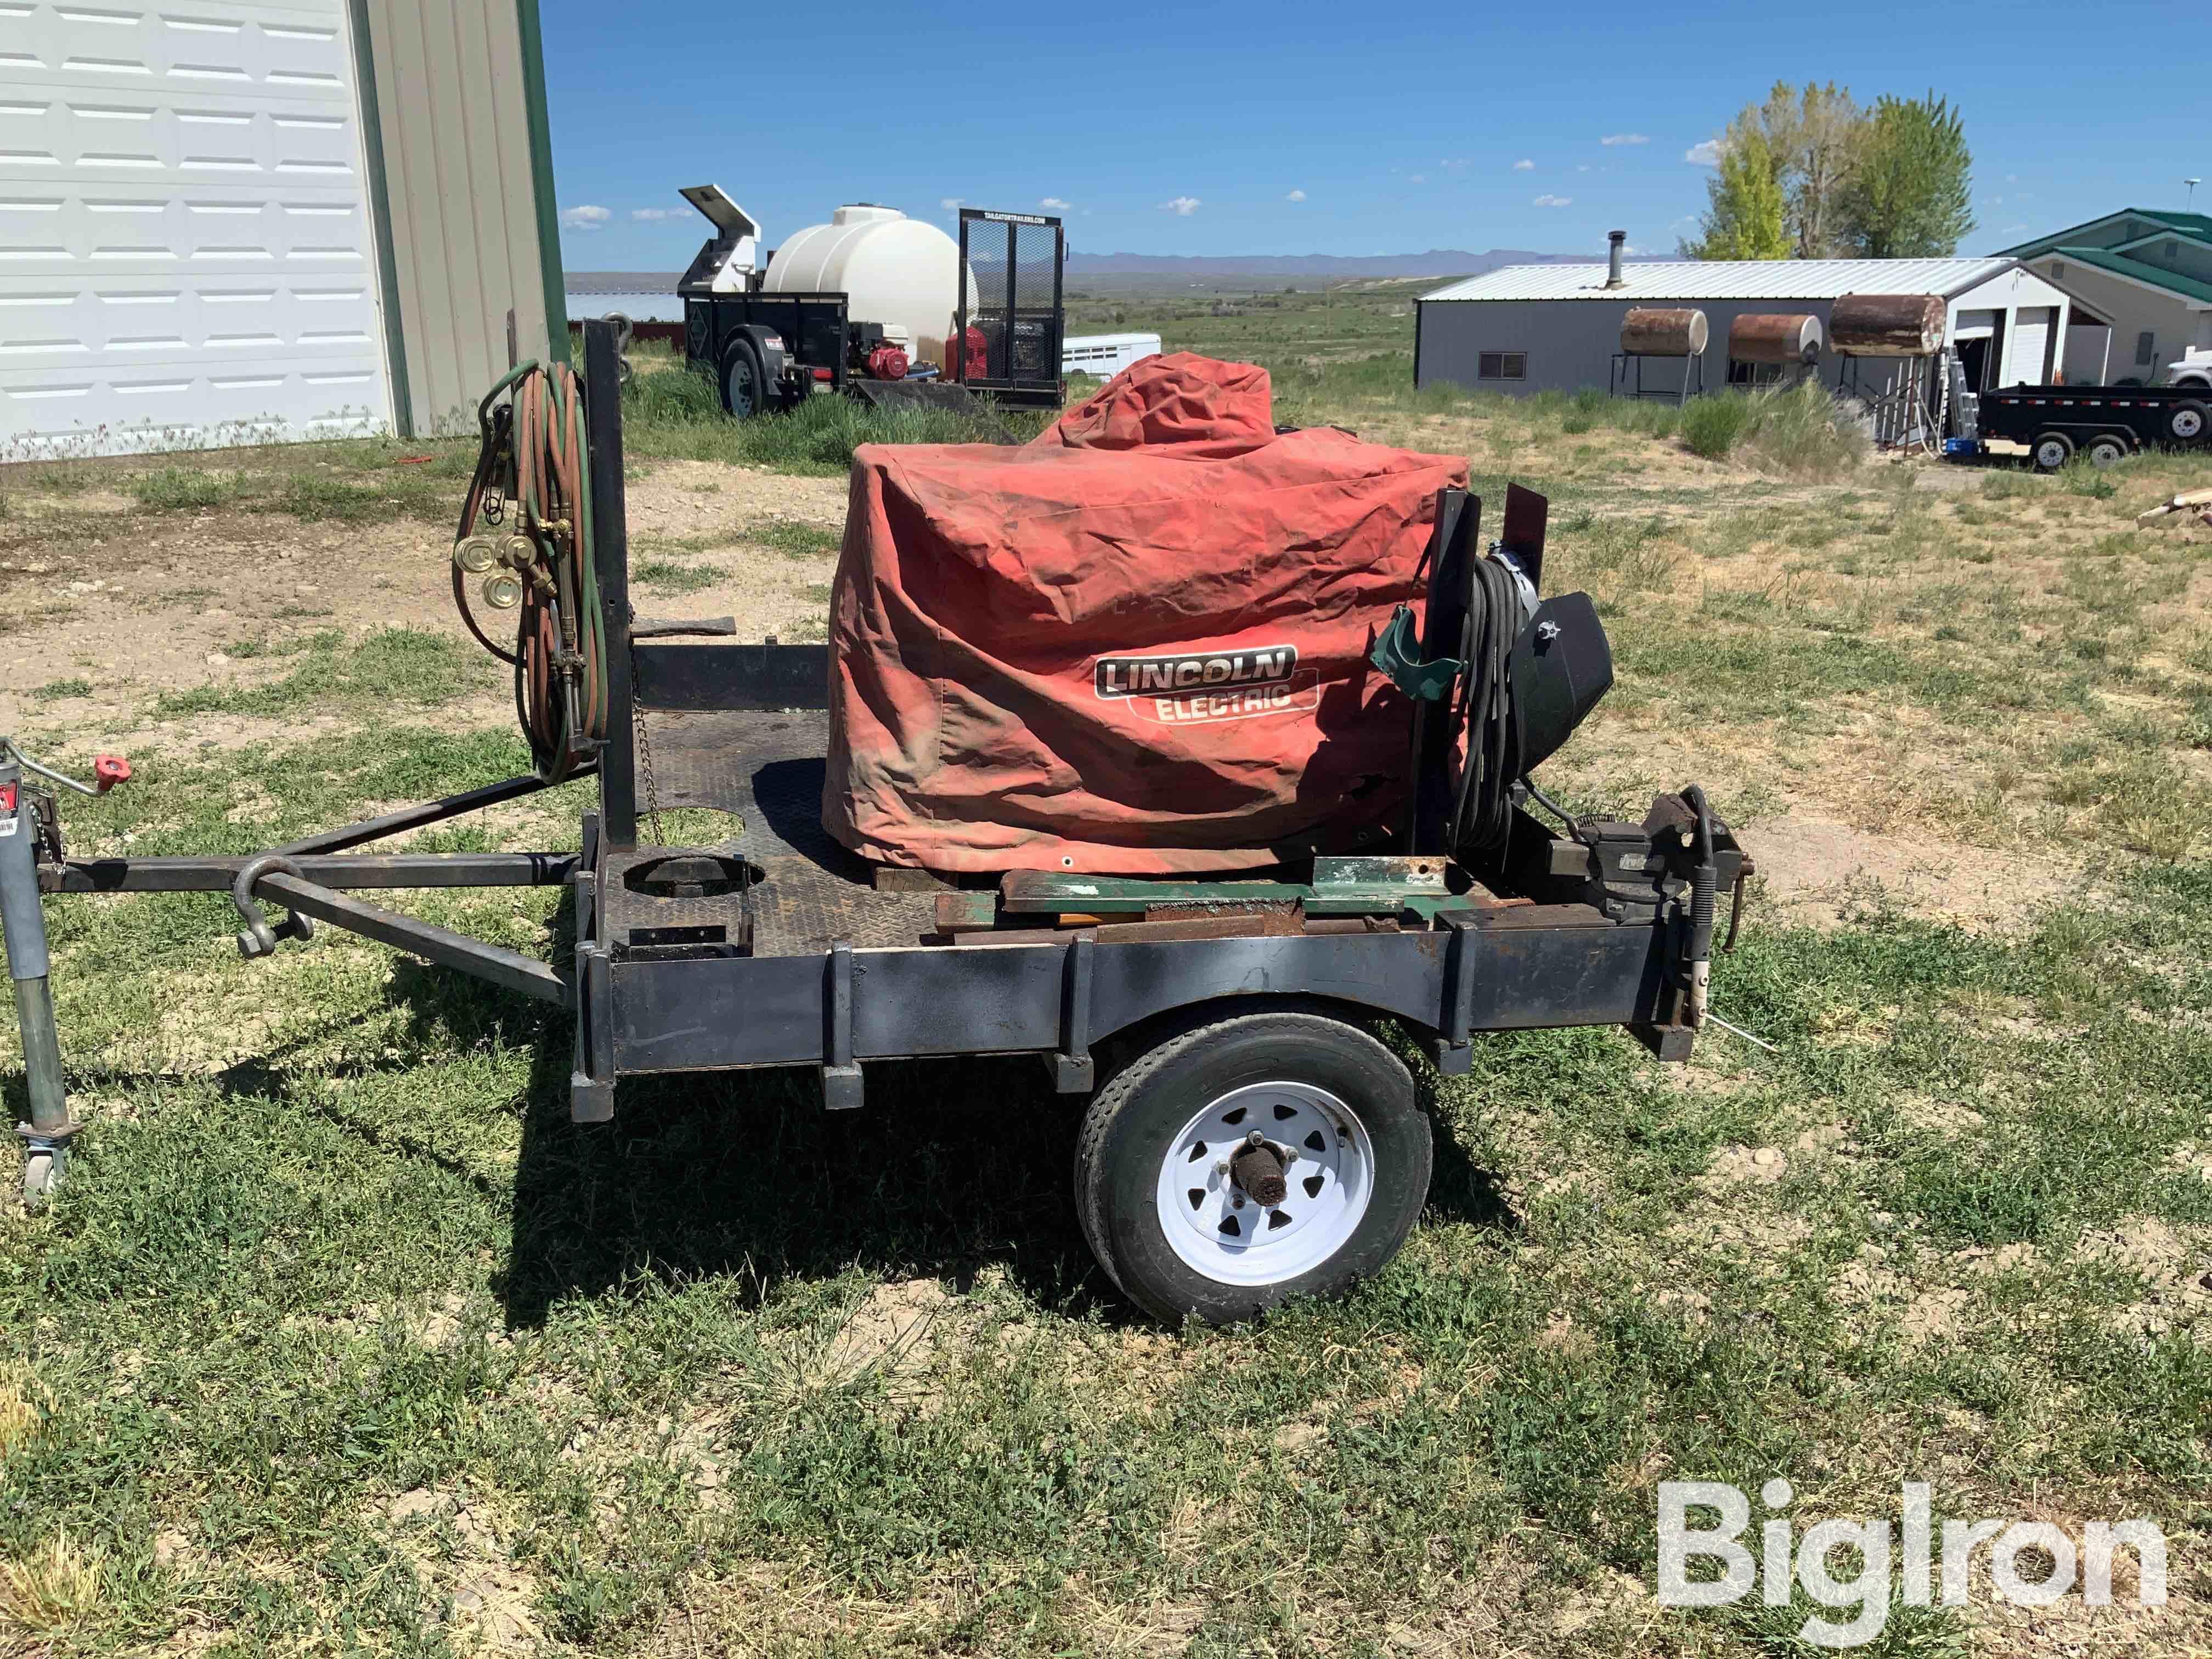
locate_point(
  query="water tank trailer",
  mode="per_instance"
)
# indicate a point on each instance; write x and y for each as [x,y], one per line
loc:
[875,304]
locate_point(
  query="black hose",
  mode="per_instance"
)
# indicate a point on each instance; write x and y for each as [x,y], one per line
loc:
[1704,879]
[1482,818]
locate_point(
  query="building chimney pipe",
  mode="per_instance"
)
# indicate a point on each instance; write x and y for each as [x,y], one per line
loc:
[1612,277]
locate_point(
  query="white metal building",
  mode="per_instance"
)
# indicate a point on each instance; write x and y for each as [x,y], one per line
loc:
[235,220]
[1529,328]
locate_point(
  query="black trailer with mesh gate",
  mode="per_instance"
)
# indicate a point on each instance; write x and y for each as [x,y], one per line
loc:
[1250,1138]
[1012,318]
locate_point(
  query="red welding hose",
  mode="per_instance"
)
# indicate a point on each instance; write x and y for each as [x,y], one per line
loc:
[535,446]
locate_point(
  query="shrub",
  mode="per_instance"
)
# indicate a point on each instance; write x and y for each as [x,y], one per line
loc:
[1800,430]
[1713,425]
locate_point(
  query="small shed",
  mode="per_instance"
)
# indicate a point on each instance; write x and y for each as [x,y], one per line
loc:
[1535,328]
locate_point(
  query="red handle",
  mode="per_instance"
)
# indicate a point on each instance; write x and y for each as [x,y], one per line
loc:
[108,770]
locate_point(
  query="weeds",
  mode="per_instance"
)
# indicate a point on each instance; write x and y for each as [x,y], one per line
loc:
[188,488]
[55,690]
[673,576]
[1713,425]
[797,540]
[678,415]
[1796,430]
[390,666]
[51,1591]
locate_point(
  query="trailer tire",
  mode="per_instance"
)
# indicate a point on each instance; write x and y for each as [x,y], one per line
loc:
[745,381]
[2185,422]
[2051,450]
[2107,449]
[1355,1162]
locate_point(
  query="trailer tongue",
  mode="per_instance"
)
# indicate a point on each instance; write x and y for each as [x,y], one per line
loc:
[1249,1138]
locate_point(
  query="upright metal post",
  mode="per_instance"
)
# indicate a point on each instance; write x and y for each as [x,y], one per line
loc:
[610,546]
[46,1137]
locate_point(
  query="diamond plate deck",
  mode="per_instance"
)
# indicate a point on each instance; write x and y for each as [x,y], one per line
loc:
[765,769]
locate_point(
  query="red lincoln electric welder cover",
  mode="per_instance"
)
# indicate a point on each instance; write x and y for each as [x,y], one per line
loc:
[1136,645]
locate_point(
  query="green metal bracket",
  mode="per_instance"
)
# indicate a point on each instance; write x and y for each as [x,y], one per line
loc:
[1350,886]
[1397,653]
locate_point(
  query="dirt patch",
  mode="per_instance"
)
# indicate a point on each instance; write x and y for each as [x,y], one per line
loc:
[1821,872]
[135,604]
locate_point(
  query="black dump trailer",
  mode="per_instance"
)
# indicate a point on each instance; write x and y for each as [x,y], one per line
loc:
[770,349]
[2101,423]
[1247,1136]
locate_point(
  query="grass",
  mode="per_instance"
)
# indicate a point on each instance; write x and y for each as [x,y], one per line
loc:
[674,576]
[344,1338]
[389,668]
[677,416]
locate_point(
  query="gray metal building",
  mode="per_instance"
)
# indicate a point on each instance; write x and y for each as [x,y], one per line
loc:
[243,221]
[1535,328]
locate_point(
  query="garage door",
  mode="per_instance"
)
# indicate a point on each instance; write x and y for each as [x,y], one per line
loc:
[186,252]
[2031,346]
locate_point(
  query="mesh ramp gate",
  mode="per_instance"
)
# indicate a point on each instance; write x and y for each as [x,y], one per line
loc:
[1011,304]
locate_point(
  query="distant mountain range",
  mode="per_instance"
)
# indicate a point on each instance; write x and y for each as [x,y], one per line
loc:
[1436,262]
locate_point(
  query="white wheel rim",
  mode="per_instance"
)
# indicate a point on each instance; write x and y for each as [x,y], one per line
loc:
[2188,424]
[2051,455]
[1331,1174]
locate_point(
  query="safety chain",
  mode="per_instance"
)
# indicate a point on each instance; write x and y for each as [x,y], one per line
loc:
[645,759]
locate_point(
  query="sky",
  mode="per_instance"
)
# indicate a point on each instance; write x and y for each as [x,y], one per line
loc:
[1292,127]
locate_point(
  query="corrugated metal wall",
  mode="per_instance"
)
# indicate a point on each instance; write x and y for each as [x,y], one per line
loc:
[464,198]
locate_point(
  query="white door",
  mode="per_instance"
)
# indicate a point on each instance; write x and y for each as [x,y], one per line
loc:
[2030,362]
[186,249]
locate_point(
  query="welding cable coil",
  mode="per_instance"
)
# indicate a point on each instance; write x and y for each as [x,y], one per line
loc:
[534,464]
[1482,817]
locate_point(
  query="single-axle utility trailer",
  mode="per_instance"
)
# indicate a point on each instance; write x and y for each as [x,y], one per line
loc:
[1248,1138]
[2102,424]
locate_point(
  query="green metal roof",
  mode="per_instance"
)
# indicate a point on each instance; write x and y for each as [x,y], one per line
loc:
[2121,265]
[2189,224]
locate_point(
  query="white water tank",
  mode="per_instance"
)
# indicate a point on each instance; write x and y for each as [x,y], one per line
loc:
[897,272]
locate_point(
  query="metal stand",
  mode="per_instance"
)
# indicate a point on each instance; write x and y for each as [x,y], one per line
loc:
[1628,377]
[1899,406]
[46,1137]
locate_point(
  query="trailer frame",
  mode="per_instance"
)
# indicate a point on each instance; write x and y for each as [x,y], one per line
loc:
[775,950]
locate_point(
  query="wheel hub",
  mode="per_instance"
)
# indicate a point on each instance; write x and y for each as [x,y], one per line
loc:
[1267,1182]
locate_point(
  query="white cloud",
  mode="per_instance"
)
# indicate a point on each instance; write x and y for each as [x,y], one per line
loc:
[586,217]
[1296,196]
[1182,206]
[950,204]
[1055,202]
[1420,177]
[651,215]
[1624,138]
[1706,154]
[1524,166]
[1554,201]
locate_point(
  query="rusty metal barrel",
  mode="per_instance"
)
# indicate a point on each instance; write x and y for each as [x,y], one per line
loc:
[1886,324]
[1652,331]
[1775,337]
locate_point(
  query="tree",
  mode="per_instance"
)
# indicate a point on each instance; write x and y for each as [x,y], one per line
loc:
[1744,210]
[1814,135]
[1909,196]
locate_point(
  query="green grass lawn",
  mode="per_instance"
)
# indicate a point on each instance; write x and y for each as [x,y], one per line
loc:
[342,1339]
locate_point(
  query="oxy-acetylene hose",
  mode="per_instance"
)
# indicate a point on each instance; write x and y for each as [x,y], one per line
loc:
[533,462]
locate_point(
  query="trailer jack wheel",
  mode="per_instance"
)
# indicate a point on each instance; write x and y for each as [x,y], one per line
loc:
[1251,1161]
